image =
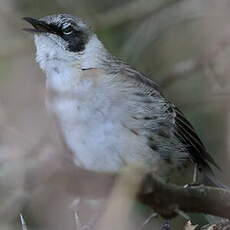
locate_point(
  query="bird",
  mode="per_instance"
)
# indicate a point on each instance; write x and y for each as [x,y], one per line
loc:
[110,114]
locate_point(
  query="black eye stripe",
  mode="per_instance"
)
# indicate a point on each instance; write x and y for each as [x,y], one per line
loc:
[76,39]
[55,29]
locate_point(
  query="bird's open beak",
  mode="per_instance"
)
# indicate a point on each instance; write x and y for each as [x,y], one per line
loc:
[39,26]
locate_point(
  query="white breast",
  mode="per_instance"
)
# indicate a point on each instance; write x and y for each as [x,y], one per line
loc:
[91,119]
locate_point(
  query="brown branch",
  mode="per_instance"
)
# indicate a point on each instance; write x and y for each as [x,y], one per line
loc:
[166,199]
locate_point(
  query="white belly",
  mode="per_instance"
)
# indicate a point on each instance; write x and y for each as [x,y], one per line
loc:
[93,121]
[98,140]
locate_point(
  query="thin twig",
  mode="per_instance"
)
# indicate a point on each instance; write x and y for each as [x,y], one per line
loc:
[153,215]
[77,221]
[23,223]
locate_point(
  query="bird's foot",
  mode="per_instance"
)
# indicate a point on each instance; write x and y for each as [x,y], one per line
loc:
[193,185]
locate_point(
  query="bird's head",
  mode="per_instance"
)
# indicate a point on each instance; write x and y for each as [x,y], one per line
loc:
[63,38]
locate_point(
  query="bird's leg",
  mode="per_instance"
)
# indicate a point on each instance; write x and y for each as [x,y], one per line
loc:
[194,178]
[195,174]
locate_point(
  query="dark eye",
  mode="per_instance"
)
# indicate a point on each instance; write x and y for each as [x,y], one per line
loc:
[68,30]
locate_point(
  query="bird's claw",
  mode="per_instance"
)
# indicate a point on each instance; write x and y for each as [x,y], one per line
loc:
[193,185]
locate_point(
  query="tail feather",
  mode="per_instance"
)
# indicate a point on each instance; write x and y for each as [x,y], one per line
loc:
[210,179]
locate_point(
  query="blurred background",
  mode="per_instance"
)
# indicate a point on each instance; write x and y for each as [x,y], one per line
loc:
[184,45]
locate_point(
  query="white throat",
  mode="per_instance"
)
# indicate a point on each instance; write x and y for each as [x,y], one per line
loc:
[51,55]
[63,69]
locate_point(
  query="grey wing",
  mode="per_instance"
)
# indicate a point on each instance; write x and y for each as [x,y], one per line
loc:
[187,135]
[171,122]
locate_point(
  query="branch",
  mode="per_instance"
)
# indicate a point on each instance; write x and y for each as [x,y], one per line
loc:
[165,199]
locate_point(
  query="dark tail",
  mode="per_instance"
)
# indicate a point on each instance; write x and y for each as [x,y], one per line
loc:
[210,179]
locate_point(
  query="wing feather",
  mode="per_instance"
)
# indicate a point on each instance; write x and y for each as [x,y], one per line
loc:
[182,129]
[187,135]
